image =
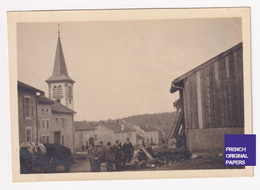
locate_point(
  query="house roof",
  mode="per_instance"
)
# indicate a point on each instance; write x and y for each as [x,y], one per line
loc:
[147,127]
[23,86]
[60,72]
[44,100]
[178,82]
[84,125]
[139,137]
[56,107]
[118,128]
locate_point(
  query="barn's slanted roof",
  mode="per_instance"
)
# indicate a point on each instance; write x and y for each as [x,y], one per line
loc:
[177,83]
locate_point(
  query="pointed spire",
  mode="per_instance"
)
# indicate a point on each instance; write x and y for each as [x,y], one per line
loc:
[58,30]
[60,72]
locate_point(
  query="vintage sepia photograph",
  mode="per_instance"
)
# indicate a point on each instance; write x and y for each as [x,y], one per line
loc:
[108,95]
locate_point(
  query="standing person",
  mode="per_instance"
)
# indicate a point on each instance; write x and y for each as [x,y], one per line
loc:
[118,155]
[100,155]
[128,150]
[91,156]
[109,157]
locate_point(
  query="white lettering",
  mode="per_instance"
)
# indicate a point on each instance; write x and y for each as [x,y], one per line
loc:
[235,149]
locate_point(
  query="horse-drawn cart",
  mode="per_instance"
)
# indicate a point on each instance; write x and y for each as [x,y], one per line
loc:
[45,156]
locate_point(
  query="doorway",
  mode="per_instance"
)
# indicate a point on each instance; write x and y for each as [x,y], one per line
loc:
[57,137]
[91,140]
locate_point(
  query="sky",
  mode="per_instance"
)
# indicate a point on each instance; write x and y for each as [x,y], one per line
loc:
[122,68]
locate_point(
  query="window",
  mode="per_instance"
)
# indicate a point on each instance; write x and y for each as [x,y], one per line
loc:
[55,92]
[44,139]
[80,135]
[28,107]
[28,134]
[47,139]
[43,123]
[57,120]
[70,91]
[62,140]
[60,91]
[47,124]
[63,122]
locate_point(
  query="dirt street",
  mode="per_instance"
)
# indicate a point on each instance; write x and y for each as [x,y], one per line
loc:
[211,162]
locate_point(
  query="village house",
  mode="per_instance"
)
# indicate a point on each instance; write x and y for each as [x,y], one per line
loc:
[44,119]
[84,134]
[55,123]
[148,134]
[112,131]
[211,102]
[27,112]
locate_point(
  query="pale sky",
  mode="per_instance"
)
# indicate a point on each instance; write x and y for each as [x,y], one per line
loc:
[122,68]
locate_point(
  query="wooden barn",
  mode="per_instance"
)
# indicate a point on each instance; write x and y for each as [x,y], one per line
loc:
[211,102]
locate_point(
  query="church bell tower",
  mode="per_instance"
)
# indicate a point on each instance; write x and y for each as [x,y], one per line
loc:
[59,83]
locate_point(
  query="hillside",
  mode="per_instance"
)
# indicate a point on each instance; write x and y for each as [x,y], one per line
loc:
[161,121]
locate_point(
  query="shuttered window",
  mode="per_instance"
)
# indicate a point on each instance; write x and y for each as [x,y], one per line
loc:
[44,139]
[70,92]
[63,122]
[59,91]
[43,123]
[55,91]
[28,134]
[28,106]
[47,123]
[62,140]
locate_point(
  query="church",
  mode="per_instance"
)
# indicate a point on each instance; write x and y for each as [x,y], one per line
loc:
[51,119]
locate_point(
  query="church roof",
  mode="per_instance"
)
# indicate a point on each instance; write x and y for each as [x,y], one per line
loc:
[60,72]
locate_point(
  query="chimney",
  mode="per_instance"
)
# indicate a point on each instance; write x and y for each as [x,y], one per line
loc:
[123,127]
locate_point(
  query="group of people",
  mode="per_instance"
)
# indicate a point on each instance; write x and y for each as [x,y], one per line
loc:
[118,155]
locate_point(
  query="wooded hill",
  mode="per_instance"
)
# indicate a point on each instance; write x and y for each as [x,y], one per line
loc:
[161,121]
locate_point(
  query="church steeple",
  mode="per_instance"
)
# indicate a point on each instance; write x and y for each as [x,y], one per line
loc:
[60,69]
[59,83]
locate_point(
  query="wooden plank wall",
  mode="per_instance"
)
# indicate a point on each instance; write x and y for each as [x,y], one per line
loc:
[213,96]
